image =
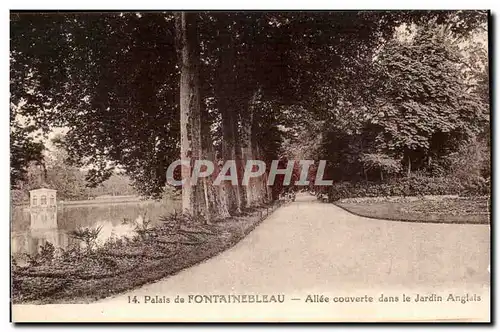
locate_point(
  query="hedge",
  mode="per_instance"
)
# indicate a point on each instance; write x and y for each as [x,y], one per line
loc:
[410,186]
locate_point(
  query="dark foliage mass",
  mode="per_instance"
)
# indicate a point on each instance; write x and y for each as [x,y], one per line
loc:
[377,94]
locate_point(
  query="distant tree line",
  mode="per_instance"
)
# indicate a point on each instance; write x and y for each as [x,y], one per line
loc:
[53,171]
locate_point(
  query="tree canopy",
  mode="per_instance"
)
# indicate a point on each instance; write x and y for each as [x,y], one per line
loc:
[368,91]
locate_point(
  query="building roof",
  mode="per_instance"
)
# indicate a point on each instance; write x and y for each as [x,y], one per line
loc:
[42,189]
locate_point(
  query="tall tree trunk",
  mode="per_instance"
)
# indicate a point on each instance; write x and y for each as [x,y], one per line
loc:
[215,206]
[196,142]
[264,191]
[409,166]
[228,146]
[246,148]
[190,106]
[226,95]
[256,190]
[240,167]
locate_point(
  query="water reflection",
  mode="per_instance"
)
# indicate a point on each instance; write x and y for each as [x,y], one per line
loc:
[33,228]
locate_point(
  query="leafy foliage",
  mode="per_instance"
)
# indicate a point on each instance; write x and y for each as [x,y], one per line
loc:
[423,92]
[108,81]
[88,235]
[415,185]
[54,171]
[402,85]
[382,162]
[418,101]
[24,151]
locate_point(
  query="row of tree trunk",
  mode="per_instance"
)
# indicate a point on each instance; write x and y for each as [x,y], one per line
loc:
[238,143]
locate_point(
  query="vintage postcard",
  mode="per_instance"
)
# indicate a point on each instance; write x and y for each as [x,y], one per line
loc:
[250,166]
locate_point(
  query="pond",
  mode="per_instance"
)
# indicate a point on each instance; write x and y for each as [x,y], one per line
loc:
[32,229]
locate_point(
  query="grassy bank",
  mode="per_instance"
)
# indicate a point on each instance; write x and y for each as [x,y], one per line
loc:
[460,210]
[81,275]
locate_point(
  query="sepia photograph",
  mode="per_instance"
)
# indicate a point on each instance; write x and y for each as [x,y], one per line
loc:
[250,166]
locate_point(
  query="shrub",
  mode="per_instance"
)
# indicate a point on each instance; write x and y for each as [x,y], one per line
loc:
[381,162]
[476,186]
[143,226]
[47,252]
[87,235]
[415,185]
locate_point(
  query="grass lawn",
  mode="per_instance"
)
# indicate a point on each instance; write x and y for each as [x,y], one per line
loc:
[436,209]
[81,276]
